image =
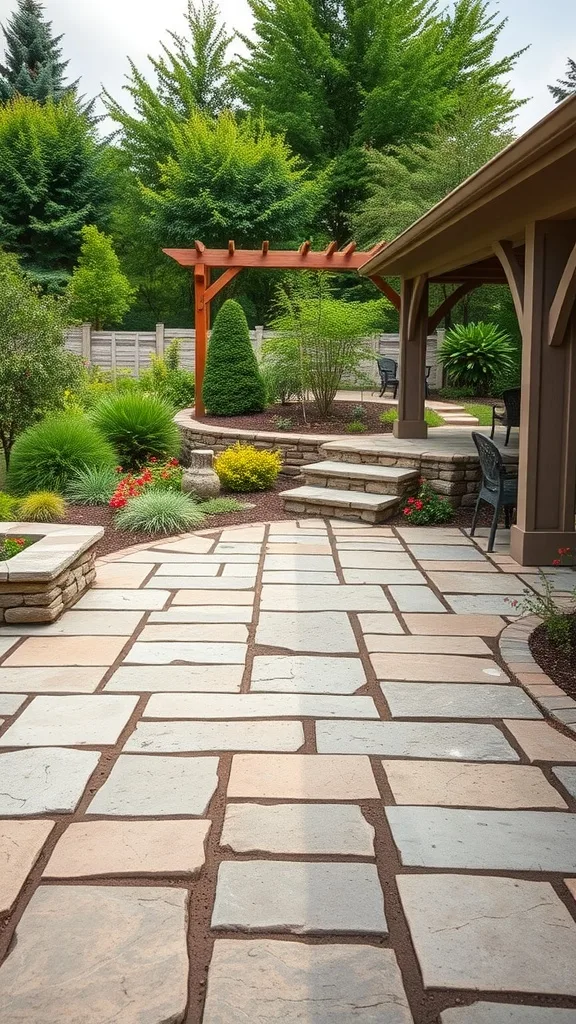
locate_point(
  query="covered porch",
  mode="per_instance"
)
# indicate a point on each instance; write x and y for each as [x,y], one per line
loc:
[512,223]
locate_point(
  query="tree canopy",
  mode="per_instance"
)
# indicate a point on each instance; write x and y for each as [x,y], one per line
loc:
[33,64]
[98,290]
[565,87]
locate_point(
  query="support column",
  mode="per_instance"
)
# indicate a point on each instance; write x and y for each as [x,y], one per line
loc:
[201,326]
[412,370]
[547,467]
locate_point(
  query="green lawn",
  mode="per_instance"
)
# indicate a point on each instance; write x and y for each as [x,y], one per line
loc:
[483,414]
[432,418]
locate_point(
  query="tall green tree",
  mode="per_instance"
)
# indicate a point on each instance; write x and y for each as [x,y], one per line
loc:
[33,64]
[53,181]
[99,292]
[565,87]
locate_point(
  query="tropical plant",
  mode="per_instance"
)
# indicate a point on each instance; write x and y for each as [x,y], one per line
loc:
[42,507]
[158,511]
[244,468]
[99,292]
[8,507]
[168,379]
[427,507]
[138,426]
[94,485]
[565,87]
[35,369]
[46,456]
[474,355]
[220,506]
[232,383]
[32,63]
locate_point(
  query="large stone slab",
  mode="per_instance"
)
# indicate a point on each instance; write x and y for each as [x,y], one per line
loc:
[203,597]
[97,719]
[301,777]
[470,645]
[455,625]
[375,622]
[567,776]
[300,563]
[206,613]
[83,623]
[196,653]
[157,786]
[440,740]
[6,643]
[10,702]
[507,1013]
[67,650]
[212,585]
[481,604]
[470,785]
[437,837]
[296,674]
[310,599]
[446,553]
[121,576]
[433,535]
[258,705]
[262,980]
[203,632]
[385,577]
[20,846]
[415,599]
[363,559]
[541,742]
[456,700]
[299,897]
[505,584]
[437,668]
[492,934]
[98,848]
[130,943]
[50,680]
[298,828]
[176,563]
[171,678]
[46,780]
[325,632]
[173,737]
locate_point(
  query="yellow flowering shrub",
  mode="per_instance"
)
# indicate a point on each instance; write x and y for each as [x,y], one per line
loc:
[245,468]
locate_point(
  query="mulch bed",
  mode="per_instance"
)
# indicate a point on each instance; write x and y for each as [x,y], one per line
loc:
[342,414]
[560,665]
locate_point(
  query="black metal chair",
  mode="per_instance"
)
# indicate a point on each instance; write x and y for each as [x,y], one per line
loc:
[497,489]
[396,383]
[509,416]
[388,370]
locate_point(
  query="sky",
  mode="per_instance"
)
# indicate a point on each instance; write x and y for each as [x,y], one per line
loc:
[101,34]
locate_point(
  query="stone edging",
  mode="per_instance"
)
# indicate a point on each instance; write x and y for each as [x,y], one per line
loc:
[517,657]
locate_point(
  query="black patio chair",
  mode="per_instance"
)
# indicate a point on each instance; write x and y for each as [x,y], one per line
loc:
[509,416]
[396,383]
[388,370]
[497,489]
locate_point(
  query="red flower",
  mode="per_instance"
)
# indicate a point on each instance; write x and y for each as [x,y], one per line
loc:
[556,562]
[153,458]
[419,505]
[407,511]
[411,501]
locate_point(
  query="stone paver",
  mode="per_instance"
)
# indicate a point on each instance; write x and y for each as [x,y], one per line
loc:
[506,1013]
[325,632]
[10,702]
[208,613]
[385,577]
[437,668]
[294,896]
[156,678]
[541,742]
[293,578]
[374,559]
[310,599]
[6,643]
[374,622]
[567,777]
[298,828]
[435,837]
[415,599]
[258,705]
[300,563]
[458,921]
[130,943]
[262,981]
[426,644]
[222,632]
[121,575]
[205,597]
[50,680]
[212,585]
[44,781]
[481,604]
[157,786]
[301,777]
[77,721]
[470,785]
[456,700]
[117,848]
[299,674]
[446,553]
[415,739]
[84,623]
[67,650]
[171,737]
[460,625]
[20,846]
[478,583]
[168,653]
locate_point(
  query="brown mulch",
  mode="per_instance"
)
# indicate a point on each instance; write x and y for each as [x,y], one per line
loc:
[342,414]
[557,663]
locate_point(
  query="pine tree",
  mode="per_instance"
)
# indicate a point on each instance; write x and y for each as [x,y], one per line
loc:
[565,87]
[232,384]
[33,65]
[98,290]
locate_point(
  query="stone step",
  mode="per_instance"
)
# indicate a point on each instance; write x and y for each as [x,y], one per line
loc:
[460,419]
[360,477]
[340,504]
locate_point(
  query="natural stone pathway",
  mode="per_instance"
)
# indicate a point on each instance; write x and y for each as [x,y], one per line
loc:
[281,773]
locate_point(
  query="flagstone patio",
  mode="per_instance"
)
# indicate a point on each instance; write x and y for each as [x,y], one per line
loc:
[282,772]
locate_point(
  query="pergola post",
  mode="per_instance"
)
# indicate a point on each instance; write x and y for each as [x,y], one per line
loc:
[413,335]
[547,466]
[201,323]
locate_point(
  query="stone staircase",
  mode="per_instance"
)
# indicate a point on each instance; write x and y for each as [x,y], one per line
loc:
[351,490]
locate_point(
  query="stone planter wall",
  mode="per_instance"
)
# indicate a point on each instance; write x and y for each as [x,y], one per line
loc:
[456,477]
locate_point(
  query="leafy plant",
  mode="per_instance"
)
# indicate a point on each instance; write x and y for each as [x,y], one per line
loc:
[158,511]
[42,507]
[359,413]
[219,506]
[50,453]
[356,427]
[427,507]
[557,619]
[431,417]
[94,485]
[138,426]
[167,379]
[8,508]
[232,384]
[11,546]
[454,394]
[98,290]
[244,468]
[474,355]
[283,423]
[156,475]
[281,369]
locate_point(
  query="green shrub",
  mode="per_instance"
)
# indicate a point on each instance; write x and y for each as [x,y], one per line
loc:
[244,468]
[232,383]
[220,506]
[281,369]
[138,426]
[8,508]
[356,427]
[475,355]
[47,455]
[431,417]
[427,507]
[452,394]
[41,507]
[158,511]
[167,379]
[92,486]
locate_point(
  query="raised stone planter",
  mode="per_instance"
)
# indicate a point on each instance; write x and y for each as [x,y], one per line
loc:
[46,578]
[516,655]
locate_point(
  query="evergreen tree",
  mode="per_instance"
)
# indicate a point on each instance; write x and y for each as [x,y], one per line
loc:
[33,66]
[98,290]
[565,87]
[232,383]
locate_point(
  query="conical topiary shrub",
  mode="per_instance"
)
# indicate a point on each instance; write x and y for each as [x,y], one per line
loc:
[232,382]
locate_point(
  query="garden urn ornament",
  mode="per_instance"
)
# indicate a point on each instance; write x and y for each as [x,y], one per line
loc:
[201,478]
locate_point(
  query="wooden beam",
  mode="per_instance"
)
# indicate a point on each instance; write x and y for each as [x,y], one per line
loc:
[201,308]
[349,249]
[265,248]
[435,319]
[305,248]
[221,283]
[199,247]
[415,302]
[332,248]
[277,259]
[387,290]
[231,247]
[563,302]
[514,275]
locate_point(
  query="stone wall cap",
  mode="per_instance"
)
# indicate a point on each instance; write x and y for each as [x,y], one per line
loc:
[186,419]
[59,546]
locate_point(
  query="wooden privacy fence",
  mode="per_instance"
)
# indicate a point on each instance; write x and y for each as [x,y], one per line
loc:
[131,350]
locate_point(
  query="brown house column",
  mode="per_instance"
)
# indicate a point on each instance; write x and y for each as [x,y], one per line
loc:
[547,468]
[413,334]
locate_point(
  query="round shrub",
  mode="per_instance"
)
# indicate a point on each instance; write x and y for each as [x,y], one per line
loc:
[8,508]
[139,426]
[47,455]
[232,382]
[475,355]
[158,511]
[244,468]
[42,507]
[92,486]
